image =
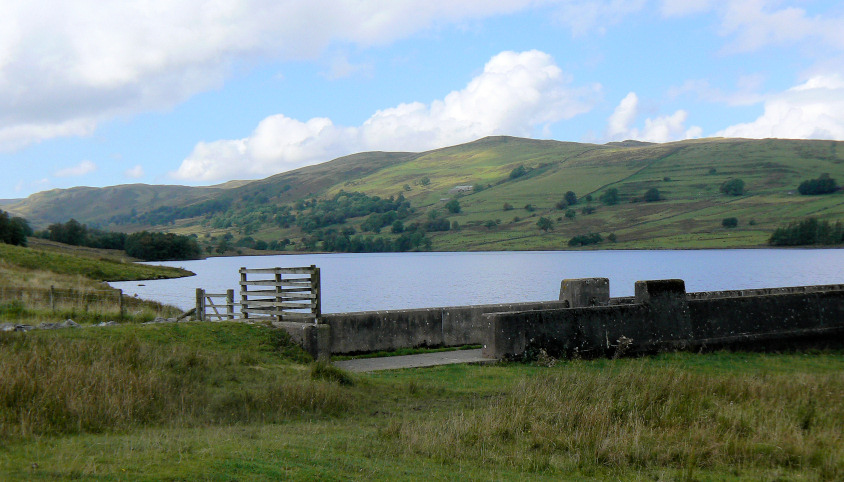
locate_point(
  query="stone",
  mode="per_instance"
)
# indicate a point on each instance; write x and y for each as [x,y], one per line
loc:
[7,327]
[24,327]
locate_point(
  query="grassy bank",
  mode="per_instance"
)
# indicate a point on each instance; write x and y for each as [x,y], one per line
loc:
[53,282]
[232,401]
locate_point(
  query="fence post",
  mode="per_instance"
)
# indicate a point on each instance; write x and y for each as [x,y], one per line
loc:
[243,302]
[315,290]
[278,298]
[230,304]
[200,304]
[120,303]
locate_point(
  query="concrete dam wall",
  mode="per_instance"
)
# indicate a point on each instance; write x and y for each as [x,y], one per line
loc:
[586,322]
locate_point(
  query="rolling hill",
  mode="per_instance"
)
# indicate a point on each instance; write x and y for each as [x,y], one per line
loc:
[515,183]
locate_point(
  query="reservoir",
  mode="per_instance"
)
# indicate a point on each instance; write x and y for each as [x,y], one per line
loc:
[381,281]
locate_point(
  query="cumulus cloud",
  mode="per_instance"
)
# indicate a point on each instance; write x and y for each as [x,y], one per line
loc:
[516,93]
[66,66]
[660,129]
[136,172]
[812,110]
[80,169]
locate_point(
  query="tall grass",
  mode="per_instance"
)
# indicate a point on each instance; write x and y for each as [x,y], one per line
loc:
[635,415]
[56,385]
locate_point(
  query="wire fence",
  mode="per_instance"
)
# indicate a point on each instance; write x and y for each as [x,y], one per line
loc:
[68,299]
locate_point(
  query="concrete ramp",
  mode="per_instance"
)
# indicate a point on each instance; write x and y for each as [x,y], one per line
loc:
[413,361]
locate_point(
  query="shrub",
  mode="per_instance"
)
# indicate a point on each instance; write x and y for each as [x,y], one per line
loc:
[570,214]
[609,197]
[733,187]
[570,197]
[545,224]
[508,207]
[652,195]
[518,172]
[586,239]
[453,206]
[729,222]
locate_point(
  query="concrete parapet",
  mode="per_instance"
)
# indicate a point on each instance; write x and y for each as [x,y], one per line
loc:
[313,338]
[583,292]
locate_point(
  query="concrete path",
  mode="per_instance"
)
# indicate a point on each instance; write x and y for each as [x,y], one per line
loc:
[413,361]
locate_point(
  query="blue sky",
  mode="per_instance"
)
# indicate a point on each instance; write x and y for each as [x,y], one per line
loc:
[201,92]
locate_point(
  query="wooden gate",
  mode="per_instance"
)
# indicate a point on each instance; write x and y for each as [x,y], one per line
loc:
[287,294]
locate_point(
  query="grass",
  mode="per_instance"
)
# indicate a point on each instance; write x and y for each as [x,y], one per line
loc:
[103,269]
[54,282]
[234,401]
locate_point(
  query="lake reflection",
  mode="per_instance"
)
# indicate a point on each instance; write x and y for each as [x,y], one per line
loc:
[379,281]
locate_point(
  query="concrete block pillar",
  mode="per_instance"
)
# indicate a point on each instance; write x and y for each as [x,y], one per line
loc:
[584,292]
[668,308]
[317,341]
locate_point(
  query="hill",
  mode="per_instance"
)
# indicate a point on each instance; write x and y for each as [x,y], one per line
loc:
[508,185]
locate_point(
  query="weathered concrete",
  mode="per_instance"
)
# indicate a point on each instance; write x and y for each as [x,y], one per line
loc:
[585,292]
[663,316]
[413,361]
[369,331]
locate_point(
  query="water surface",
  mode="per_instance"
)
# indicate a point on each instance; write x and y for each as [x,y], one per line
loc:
[379,281]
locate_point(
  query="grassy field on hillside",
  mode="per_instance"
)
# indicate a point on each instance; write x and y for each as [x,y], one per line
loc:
[228,401]
[73,279]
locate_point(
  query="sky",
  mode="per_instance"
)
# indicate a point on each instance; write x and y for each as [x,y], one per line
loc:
[106,92]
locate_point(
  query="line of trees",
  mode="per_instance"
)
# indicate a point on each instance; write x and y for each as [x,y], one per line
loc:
[822,185]
[807,232]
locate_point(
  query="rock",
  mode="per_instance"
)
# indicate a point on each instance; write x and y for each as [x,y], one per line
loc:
[107,323]
[7,327]
[48,326]
[24,327]
[68,323]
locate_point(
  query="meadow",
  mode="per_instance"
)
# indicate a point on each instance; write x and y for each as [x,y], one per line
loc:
[222,401]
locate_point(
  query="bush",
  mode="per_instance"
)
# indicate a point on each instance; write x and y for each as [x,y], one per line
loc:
[570,214]
[609,197]
[570,197]
[822,185]
[652,195]
[545,224]
[518,172]
[586,239]
[729,222]
[453,206]
[733,187]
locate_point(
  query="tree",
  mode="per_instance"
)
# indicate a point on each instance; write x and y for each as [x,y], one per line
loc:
[13,230]
[729,222]
[609,197]
[425,181]
[733,187]
[652,195]
[397,227]
[508,206]
[570,197]
[545,224]
[518,172]
[570,214]
[453,206]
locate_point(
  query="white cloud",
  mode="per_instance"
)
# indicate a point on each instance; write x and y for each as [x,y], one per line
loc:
[136,172]
[80,169]
[659,129]
[66,66]
[584,16]
[515,94]
[812,110]
[755,24]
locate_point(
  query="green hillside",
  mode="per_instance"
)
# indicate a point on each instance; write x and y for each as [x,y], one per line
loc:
[516,182]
